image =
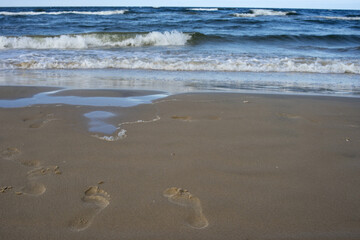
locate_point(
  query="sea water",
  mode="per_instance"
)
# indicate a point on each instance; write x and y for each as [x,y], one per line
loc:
[302,51]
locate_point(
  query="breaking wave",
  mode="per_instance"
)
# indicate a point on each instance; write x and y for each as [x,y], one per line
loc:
[263,12]
[190,63]
[95,40]
[203,9]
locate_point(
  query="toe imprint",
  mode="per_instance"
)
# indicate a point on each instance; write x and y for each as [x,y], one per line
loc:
[44,171]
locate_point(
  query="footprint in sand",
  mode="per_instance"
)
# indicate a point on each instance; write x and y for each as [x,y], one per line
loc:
[41,120]
[32,188]
[42,171]
[10,153]
[184,198]
[95,200]
[30,163]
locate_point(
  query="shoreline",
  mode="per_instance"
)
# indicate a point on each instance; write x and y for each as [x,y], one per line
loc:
[178,82]
[255,166]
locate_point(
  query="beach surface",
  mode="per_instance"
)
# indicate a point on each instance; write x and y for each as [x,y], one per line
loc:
[189,166]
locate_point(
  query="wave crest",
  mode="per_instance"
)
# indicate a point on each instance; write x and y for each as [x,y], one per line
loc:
[95,40]
[191,63]
[263,12]
[203,9]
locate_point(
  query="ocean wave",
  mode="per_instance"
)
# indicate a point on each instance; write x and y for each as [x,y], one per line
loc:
[203,9]
[341,18]
[95,40]
[198,38]
[192,63]
[332,49]
[103,40]
[263,12]
[114,12]
[338,38]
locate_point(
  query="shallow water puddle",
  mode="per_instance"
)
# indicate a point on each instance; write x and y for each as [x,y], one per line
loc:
[97,123]
[103,130]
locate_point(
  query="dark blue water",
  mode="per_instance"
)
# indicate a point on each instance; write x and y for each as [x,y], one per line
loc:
[227,40]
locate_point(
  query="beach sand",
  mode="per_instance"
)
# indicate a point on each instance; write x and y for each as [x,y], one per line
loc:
[190,166]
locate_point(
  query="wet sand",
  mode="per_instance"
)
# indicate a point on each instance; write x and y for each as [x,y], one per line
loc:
[104,93]
[191,166]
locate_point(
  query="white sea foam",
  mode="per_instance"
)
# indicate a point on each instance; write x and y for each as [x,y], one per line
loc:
[157,118]
[114,12]
[190,63]
[121,135]
[157,39]
[261,12]
[95,40]
[122,132]
[341,18]
[203,9]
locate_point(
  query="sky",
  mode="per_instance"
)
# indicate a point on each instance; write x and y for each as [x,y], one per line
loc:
[324,4]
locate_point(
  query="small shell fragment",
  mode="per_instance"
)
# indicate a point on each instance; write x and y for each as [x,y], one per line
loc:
[5,188]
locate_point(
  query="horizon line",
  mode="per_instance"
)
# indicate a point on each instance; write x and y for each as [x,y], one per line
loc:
[186,7]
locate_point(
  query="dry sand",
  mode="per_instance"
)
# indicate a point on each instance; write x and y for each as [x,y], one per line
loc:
[197,166]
